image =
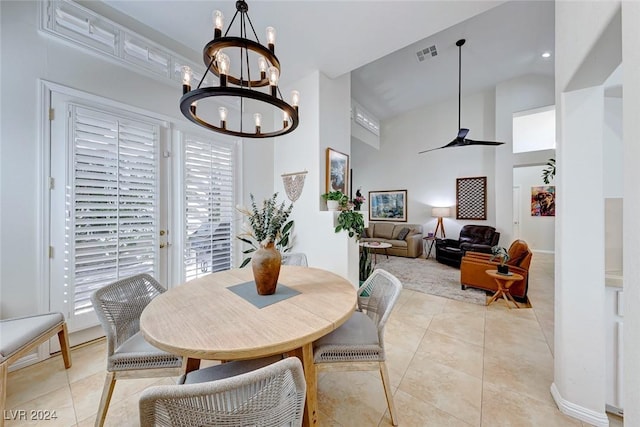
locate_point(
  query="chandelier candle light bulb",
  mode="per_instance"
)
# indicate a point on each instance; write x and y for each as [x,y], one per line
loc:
[218,23]
[258,119]
[223,117]
[223,65]
[295,99]
[274,75]
[271,38]
[262,65]
[186,79]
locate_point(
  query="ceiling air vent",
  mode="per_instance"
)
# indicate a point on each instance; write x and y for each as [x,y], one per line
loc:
[426,53]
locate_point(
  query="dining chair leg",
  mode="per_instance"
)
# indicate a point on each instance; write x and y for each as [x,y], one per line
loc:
[63,337]
[107,392]
[387,392]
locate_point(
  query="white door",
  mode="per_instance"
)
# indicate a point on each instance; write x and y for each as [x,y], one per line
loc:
[107,205]
[516,212]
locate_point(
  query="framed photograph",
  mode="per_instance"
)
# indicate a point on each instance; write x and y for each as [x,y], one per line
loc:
[337,171]
[543,201]
[388,205]
[471,198]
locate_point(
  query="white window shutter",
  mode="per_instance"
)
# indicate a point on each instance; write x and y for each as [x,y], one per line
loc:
[208,206]
[113,222]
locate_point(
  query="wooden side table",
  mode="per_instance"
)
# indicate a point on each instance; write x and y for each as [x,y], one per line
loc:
[428,241]
[504,282]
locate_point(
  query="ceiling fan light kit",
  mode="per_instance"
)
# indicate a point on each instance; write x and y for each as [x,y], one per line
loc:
[461,139]
[217,56]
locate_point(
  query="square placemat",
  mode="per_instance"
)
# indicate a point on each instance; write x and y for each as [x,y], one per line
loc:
[247,290]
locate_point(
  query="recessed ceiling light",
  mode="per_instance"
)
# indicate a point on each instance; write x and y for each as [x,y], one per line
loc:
[546,54]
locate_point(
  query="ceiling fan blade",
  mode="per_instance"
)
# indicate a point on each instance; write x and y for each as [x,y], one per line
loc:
[474,142]
[455,143]
[462,133]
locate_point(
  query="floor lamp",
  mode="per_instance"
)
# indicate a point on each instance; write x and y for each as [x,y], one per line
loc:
[440,213]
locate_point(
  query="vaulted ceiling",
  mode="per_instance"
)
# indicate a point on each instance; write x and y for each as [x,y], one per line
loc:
[377,41]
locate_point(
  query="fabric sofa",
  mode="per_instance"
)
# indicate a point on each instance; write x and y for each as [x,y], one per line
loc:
[474,266]
[388,232]
[477,238]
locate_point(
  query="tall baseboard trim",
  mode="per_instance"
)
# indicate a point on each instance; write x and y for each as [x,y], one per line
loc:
[542,251]
[596,419]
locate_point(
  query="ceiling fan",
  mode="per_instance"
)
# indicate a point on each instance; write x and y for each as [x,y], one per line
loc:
[461,140]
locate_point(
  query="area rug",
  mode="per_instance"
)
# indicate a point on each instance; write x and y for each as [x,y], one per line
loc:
[430,277]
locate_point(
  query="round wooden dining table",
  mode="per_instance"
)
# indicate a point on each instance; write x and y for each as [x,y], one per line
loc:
[206,318]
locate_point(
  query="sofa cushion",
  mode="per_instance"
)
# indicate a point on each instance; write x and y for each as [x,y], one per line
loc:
[383,230]
[404,231]
[476,234]
[398,243]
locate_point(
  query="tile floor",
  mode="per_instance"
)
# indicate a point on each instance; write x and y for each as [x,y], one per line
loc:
[450,364]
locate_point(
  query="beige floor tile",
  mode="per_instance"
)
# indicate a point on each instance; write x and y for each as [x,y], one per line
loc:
[448,389]
[452,352]
[325,421]
[26,384]
[52,409]
[468,326]
[352,398]
[453,306]
[418,413]
[509,408]
[88,360]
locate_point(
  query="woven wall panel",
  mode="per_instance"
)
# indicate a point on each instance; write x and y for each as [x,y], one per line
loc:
[471,198]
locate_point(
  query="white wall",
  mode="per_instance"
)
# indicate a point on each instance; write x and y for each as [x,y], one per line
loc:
[612,149]
[537,231]
[521,93]
[430,178]
[631,242]
[324,122]
[28,56]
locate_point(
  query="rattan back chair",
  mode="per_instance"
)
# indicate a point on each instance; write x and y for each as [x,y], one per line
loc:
[118,307]
[273,395]
[359,343]
[294,259]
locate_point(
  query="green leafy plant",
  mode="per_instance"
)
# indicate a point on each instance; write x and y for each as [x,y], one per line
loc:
[549,171]
[352,222]
[335,195]
[265,225]
[500,252]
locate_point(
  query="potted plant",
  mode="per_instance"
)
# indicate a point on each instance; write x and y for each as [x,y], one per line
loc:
[335,199]
[265,226]
[503,254]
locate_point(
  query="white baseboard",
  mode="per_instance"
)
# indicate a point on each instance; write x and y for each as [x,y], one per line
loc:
[596,419]
[542,251]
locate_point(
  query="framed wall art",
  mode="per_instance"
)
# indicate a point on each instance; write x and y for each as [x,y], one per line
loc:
[471,198]
[388,205]
[543,200]
[337,171]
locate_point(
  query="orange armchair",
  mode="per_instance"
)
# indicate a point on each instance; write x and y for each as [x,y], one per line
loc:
[474,265]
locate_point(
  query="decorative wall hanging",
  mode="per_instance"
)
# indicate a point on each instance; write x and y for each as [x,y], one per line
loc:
[388,205]
[471,198]
[337,171]
[543,201]
[293,184]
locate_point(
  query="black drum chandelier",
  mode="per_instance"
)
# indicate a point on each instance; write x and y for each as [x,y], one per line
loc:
[243,82]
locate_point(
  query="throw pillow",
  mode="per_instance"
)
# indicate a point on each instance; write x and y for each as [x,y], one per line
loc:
[403,233]
[364,233]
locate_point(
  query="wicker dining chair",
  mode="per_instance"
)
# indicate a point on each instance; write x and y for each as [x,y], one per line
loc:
[359,343]
[119,306]
[272,395]
[294,259]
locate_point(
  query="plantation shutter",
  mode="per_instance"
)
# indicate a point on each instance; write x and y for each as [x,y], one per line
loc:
[113,202]
[208,205]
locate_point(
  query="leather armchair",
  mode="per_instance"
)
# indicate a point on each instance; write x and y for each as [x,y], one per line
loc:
[476,238]
[474,265]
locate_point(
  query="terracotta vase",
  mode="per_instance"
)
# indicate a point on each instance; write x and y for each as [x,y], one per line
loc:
[265,263]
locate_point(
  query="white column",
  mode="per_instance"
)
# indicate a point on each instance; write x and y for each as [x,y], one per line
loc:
[579,339]
[631,225]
